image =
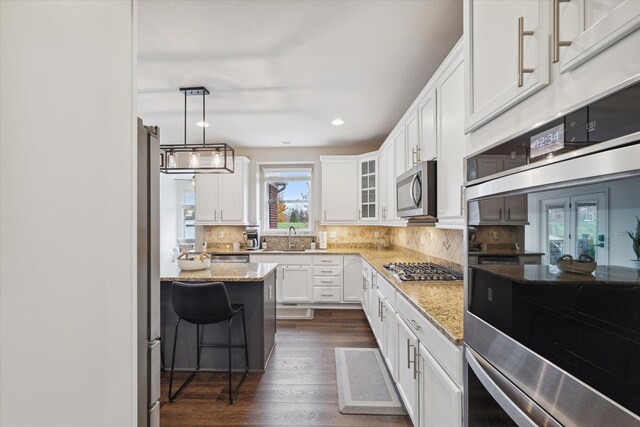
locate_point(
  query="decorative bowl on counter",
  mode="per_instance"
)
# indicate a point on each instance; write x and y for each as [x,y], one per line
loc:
[583,265]
[186,262]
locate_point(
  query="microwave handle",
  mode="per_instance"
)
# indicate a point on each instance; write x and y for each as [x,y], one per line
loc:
[411,190]
[510,407]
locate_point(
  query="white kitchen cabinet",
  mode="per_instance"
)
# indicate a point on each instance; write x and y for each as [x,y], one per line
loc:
[387,179]
[400,151]
[440,397]
[368,188]
[590,26]
[390,337]
[503,64]
[223,199]
[406,374]
[352,291]
[412,130]
[377,318]
[296,284]
[451,145]
[427,107]
[340,189]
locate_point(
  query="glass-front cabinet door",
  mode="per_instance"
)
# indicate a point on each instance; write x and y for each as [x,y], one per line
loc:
[368,194]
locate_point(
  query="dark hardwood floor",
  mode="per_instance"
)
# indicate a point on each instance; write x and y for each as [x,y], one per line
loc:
[298,388]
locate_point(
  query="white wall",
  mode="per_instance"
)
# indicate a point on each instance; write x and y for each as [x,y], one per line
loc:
[67,231]
[290,155]
[624,206]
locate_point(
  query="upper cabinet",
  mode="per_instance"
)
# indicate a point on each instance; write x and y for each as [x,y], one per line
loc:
[222,199]
[451,142]
[340,177]
[507,55]
[368,190]
[582,29]
[427,148]
[412,130]
[555,54]
[400,150]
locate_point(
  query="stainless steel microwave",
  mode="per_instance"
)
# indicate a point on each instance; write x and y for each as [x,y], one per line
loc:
[416,192]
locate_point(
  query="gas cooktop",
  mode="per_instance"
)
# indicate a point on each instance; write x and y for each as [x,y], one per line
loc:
[412,271]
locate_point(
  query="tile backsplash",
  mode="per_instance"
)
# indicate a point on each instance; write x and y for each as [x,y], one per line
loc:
[436,242]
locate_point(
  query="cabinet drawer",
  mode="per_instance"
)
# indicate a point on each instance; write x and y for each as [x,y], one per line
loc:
[448,355]
[387,290]
[327,281]
[327,260]
[326,294]
[327,271]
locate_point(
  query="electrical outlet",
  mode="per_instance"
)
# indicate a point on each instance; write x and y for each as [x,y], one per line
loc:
[221,235]
[376,234]
[495,235]
[333,234]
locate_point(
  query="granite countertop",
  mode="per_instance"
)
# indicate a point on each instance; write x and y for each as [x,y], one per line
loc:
[441,303]
[219,272]
[552,275]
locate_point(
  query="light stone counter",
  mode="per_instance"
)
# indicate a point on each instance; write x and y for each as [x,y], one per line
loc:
[219,272]
[441,303]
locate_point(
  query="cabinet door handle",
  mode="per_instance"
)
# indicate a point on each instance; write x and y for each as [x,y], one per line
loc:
[415,325]
[509,214]
[359,213]
[416,370]
[221,215]
[413,156]
[521,34]
[409,353]
[269,292]
[215,214]
[418,152]
[557,43]
[461,199]
[499,214]
[382,309]
[325,214]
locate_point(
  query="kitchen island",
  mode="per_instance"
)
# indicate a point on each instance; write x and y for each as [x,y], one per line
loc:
[251,284]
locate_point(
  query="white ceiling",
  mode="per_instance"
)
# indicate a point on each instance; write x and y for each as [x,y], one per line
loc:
[282,70]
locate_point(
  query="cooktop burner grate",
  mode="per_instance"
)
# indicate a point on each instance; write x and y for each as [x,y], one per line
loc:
[412,271]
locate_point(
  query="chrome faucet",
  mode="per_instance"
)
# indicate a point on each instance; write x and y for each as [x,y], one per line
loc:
[294,232]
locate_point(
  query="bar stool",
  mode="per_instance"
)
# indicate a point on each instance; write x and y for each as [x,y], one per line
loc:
[205,304]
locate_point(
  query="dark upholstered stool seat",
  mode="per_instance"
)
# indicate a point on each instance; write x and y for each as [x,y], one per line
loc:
[205,304]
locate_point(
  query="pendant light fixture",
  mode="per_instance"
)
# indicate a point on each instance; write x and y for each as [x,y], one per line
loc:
[196,158]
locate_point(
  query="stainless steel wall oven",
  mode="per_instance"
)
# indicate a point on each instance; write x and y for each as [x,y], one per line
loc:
[543,346]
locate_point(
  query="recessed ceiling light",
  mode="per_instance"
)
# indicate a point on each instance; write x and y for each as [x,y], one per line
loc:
[337,122]
[202,124]
[286,142]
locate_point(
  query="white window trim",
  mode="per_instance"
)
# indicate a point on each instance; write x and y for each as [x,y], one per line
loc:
[263,212]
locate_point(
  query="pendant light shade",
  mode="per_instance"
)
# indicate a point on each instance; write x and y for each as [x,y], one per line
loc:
[196,158]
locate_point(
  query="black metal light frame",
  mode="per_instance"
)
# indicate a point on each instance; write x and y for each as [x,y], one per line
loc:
[172,156]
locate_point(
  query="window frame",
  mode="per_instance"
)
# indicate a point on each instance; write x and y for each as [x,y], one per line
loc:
[264,198]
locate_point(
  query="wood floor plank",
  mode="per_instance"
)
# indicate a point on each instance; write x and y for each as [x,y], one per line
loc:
[298,388]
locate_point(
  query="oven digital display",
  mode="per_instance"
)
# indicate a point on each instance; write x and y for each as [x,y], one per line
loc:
[549,141]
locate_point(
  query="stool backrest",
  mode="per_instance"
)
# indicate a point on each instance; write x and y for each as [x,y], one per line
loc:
[201,303]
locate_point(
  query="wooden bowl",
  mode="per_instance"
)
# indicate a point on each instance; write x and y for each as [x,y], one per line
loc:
[583,265]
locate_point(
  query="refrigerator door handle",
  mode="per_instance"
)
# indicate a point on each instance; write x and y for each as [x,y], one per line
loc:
[507,395]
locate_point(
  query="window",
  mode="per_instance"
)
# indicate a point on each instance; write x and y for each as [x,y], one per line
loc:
[188,215]
[287,196]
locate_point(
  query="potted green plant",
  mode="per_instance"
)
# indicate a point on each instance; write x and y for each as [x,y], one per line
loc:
[635,238]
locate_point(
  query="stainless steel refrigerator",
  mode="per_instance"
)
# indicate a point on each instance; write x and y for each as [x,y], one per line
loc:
[148,230]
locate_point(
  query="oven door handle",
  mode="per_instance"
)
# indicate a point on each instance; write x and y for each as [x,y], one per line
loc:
[501,393]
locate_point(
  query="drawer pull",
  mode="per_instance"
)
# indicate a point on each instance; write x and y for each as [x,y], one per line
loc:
[326,271]
[327,295]
[326,281]
[415,325]
[325,260]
